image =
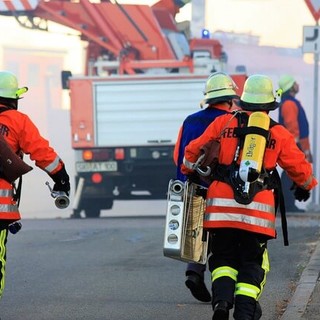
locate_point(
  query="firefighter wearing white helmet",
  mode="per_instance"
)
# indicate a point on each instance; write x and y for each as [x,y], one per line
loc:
[286,82]
[218,85]
[241,209]
[219,88]
[219,94]
[292,115]
[9,89]
[20,135]
[258,94]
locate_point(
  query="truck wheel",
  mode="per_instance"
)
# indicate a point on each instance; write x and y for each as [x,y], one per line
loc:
[92,212]
[108,204]
[76,214]
[92,209]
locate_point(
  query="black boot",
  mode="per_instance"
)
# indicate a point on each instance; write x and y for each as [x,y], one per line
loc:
[245,308]
[221,311]
[197,287]
[257,312]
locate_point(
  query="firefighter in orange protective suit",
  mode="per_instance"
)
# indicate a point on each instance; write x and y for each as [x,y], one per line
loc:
[22,136]
[293,116]
[241,219]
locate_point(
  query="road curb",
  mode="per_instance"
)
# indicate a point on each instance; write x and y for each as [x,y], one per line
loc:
[305,287]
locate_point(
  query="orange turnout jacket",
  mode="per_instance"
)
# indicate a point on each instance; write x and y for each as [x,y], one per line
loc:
[258,216]
[22,135]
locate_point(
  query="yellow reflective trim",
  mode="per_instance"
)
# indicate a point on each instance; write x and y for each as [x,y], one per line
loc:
[21,91]
[224,272]
[266,267]
[238,217]
[247,289]
[254,205]
[265,261]
[3,236]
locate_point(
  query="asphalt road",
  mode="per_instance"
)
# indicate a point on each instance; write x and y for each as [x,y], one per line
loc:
[113,268]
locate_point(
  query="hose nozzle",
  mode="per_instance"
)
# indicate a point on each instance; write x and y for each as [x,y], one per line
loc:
[61,199]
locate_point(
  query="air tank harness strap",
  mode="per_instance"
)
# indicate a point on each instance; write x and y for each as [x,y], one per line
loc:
[242,132]
[271,181]
[229,174]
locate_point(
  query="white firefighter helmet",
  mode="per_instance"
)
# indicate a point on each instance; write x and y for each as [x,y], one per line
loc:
[219,86]
[9,86]
[258,94]
[286,82]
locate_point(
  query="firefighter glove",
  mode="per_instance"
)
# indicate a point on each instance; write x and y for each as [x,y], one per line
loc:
[61,181]
[301,194]
[194,177]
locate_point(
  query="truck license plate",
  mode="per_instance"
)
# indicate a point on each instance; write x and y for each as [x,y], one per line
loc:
[96,166]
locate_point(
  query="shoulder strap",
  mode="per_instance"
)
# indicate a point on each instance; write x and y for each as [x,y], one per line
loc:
[280,203]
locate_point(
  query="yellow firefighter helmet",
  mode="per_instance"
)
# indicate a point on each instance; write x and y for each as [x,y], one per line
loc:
[258,94]
[9,86]
[219,87]
[286,82]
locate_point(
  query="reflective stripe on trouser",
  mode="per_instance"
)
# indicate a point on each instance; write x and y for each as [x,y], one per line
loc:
[250,290]
[224,271]
[247,294]
[3,241]
[223,279]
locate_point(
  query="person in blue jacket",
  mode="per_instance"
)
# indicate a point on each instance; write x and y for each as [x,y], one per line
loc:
[220,95]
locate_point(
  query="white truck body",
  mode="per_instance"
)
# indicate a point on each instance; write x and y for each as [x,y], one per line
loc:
[144,112]
[128,125]
[139,114]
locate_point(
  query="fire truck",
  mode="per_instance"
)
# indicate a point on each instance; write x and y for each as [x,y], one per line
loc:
[142,77]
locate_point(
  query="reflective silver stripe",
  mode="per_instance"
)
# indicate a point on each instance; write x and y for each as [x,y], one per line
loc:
[238,217]
[6,193]
[53,165]
[8,208]
[254,205]
[188,164]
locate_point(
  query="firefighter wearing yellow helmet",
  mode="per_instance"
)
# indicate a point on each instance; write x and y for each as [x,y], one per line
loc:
[241,219]
[293,116]
[21,136]
[219,93]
